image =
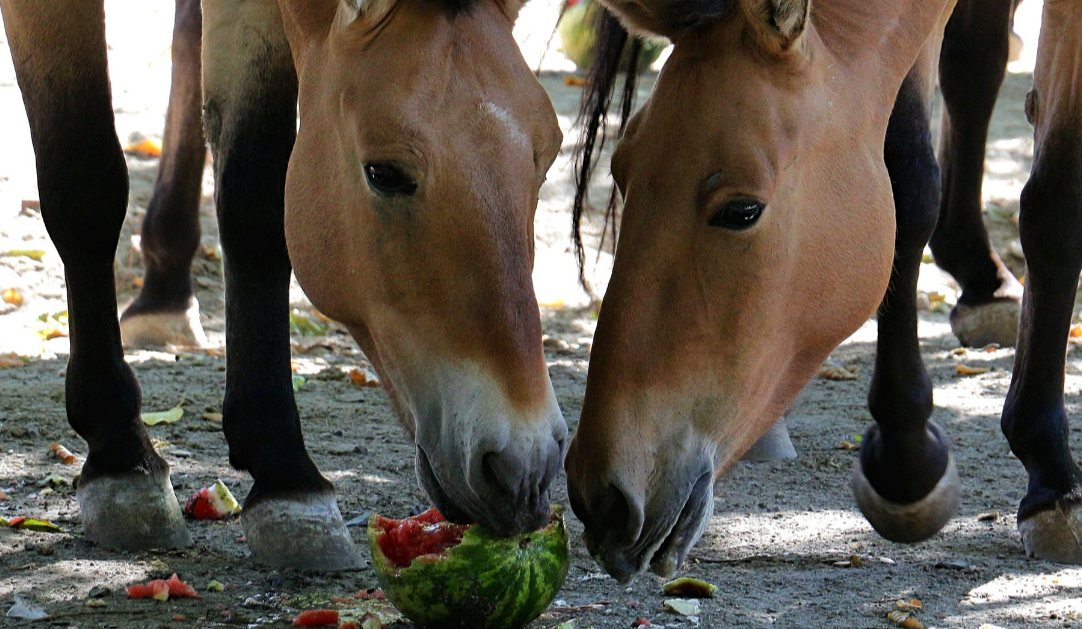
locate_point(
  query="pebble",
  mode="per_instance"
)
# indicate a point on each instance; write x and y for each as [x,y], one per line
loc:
[100,591]
[346,448]
[952,564]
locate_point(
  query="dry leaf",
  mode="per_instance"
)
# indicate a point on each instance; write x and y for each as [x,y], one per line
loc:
[845,445]
[912,605]
[34,254]
[966,370]
[214,417]
[837,372]
[11,360]
[574,81]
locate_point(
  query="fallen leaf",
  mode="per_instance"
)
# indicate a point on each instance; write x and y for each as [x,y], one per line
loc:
[8,361]
[845,445]
[966,370]
[214,417]
[34,254]
[574,81]
[912,605]
[163,417]
[12,296]
[836,372]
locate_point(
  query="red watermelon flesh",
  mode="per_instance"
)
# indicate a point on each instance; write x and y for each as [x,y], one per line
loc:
[424,535]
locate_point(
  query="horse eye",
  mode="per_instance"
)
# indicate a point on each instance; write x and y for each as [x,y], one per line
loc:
[389,179]
[738,214]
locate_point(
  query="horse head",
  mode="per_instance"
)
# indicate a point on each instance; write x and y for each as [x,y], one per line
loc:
[757,233]
[424,138]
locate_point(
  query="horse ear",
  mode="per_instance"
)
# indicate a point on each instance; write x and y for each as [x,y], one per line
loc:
[779,23]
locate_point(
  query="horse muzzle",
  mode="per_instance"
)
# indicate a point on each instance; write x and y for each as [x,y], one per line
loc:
[494,470]
[628,535]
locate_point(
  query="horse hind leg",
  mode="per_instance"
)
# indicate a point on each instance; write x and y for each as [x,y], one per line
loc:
[905,481]
[971,69]
[166,311]
[290,516]
[1034,417]
[59,52]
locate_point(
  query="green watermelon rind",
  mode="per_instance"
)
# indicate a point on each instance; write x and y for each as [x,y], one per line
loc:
[483,583]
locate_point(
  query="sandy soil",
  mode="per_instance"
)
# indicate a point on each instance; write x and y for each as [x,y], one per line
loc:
[778,531]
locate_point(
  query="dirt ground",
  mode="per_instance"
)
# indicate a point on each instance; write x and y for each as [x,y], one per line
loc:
[781,535]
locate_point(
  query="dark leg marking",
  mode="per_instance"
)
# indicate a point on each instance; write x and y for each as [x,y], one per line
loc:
[166,311]
[60,59]
[905,483]
[971,69]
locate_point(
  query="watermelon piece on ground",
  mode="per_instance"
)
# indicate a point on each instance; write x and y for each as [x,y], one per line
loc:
[441,574]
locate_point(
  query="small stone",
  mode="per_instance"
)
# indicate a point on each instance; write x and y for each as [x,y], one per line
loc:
[988,517]
[344,449]
[100,591]
[46,551]
[952,564]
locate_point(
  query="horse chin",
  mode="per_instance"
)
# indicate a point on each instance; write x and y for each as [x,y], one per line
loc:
[663,552]
[432,487]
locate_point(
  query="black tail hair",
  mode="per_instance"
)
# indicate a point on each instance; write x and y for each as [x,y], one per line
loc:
[614,48]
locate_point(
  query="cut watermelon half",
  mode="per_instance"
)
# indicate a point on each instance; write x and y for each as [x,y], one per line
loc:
[441,574]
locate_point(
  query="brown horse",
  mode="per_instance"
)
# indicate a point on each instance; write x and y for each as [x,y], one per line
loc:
[757,233]
[412,183]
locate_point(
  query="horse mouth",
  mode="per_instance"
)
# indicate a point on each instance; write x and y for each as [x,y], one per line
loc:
[666,549]
[688,528]
[437,495]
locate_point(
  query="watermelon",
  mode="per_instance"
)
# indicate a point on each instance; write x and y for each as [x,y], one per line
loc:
[212,503]
[451,576]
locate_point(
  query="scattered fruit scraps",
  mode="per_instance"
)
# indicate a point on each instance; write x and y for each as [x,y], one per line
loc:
[30,524]
[364,377]
[62,453]
[425,534]
[163,417]
[316,618]
[687,587]
[163,589]
[34,254]
[966,370]
[12,296]
[212,503]
[145,147]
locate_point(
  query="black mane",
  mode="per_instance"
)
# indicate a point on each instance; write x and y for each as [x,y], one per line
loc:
[615,50]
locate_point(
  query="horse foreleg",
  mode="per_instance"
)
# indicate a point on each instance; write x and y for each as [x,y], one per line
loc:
[1034,418]
[971,69]
[905,482]
[290,516]
[166,311]
[60,60]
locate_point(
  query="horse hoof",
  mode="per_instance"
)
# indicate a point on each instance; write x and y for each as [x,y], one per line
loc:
[909,523]
[1055,534]
[132,513]
[984,324]
[775,445]
[161,329]
[308,534]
